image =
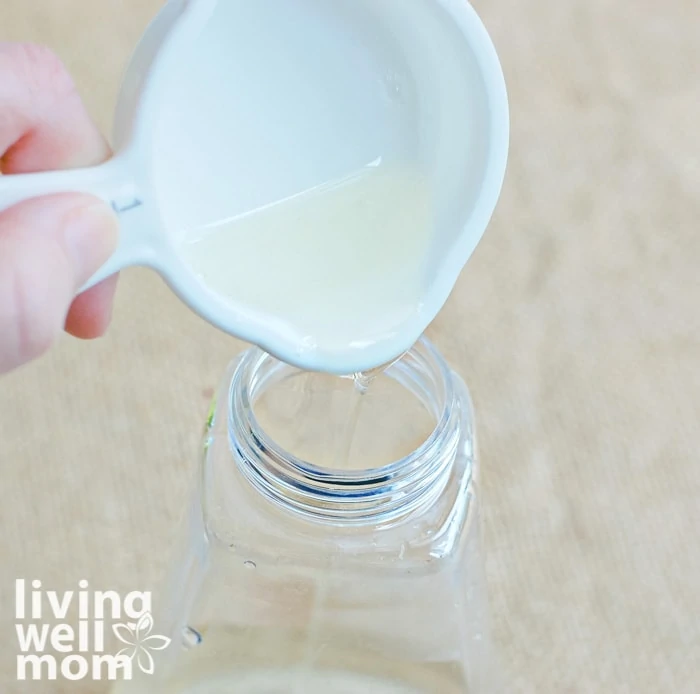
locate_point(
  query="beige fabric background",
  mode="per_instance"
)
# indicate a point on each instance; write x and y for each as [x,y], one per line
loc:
[576,326]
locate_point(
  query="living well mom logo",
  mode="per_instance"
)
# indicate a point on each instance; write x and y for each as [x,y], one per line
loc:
[51,647]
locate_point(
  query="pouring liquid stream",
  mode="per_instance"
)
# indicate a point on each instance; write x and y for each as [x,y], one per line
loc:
[343,448]
[362,382]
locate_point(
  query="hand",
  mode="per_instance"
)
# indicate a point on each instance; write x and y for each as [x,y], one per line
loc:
[51,246]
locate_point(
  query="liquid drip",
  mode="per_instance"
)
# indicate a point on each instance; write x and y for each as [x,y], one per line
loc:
[191,637]
[343,265]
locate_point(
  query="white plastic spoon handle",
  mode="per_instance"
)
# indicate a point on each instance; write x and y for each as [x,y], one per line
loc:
[112,183]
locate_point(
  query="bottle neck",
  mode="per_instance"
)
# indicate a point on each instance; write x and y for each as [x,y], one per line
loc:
[349,497]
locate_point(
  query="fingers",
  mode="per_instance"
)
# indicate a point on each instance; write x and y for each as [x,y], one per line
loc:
[49,248]
[91,312]
[45,126]
[43,122]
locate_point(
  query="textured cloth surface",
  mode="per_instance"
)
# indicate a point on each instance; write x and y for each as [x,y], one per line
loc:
[576,326]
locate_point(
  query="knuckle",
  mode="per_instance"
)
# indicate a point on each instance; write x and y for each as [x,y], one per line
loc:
[39,68]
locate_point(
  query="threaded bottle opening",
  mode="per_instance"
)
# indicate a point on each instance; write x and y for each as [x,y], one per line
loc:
[312,455]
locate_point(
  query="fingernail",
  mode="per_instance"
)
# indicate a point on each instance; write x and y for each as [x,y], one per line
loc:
[91,237]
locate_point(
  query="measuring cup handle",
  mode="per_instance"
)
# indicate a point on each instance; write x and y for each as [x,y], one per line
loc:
[112,183]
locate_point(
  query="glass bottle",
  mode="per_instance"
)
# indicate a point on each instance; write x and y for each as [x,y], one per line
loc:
[333,541]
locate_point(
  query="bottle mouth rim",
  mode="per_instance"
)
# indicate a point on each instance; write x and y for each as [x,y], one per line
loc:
[360,495]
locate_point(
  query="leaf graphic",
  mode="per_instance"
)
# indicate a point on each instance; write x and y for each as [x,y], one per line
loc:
[156,643]
[124,634]
[145,660]
[128,652]
[145,626]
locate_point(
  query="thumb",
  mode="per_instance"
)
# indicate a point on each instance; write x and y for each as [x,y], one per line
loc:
[49,247]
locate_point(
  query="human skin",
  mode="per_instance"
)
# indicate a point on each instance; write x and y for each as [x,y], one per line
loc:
[49,246]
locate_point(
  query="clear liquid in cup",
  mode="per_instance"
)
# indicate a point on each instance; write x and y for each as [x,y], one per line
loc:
[345,264]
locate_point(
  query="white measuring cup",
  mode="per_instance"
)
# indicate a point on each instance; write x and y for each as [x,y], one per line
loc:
[230,106]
